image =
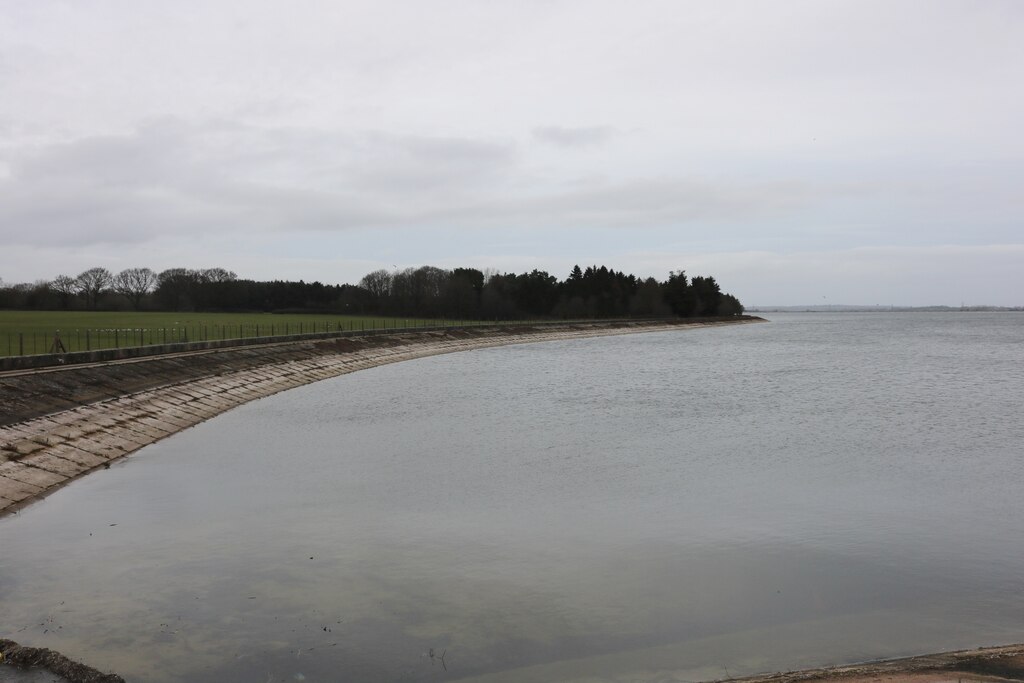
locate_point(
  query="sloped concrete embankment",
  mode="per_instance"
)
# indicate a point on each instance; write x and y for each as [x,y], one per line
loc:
[59,424]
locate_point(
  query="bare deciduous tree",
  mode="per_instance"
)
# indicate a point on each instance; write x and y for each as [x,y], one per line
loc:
[377,283]
[134,283]
[216,275]
[65,287]
[92,284]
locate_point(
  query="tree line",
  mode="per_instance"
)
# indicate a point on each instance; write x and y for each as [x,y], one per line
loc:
[426,291]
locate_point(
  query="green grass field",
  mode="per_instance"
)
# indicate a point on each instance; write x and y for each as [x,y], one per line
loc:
[32,332]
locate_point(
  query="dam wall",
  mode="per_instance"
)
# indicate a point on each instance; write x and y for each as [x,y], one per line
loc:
[60,423]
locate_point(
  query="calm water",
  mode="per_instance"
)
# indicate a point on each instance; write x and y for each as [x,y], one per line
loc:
[670,506]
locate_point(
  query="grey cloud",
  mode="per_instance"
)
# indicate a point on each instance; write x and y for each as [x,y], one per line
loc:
[561,136]
[172,178]
[663,200]
[643,203]
[405,163]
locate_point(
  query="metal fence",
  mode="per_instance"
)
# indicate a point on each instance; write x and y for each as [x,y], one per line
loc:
[95,339]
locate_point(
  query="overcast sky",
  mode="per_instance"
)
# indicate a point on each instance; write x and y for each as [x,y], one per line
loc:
[801,152]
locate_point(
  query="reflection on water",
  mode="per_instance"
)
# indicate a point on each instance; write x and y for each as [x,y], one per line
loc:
[650,507]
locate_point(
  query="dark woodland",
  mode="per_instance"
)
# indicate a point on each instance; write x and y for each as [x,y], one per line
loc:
[425,292]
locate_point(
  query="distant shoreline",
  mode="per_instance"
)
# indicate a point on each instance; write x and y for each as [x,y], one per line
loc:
[840,308]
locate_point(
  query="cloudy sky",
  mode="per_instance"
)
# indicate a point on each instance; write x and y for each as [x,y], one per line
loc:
[862,152]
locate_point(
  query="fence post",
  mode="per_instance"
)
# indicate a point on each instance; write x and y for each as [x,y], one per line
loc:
[117,340]
[21,344]
[57,346]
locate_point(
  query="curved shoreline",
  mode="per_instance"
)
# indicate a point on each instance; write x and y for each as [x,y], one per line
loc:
[157,397]
[74,420]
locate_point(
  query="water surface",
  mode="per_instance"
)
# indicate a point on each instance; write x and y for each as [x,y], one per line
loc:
[676,505]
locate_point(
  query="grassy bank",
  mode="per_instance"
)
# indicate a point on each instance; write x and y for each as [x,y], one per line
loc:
[32,332]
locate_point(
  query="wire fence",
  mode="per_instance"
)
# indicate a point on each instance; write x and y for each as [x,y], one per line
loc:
[98,338]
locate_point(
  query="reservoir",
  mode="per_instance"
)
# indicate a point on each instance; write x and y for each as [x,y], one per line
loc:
[680,505]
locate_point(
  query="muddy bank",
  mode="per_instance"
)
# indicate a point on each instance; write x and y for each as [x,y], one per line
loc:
[40,658]
[983,664]
[60,423]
